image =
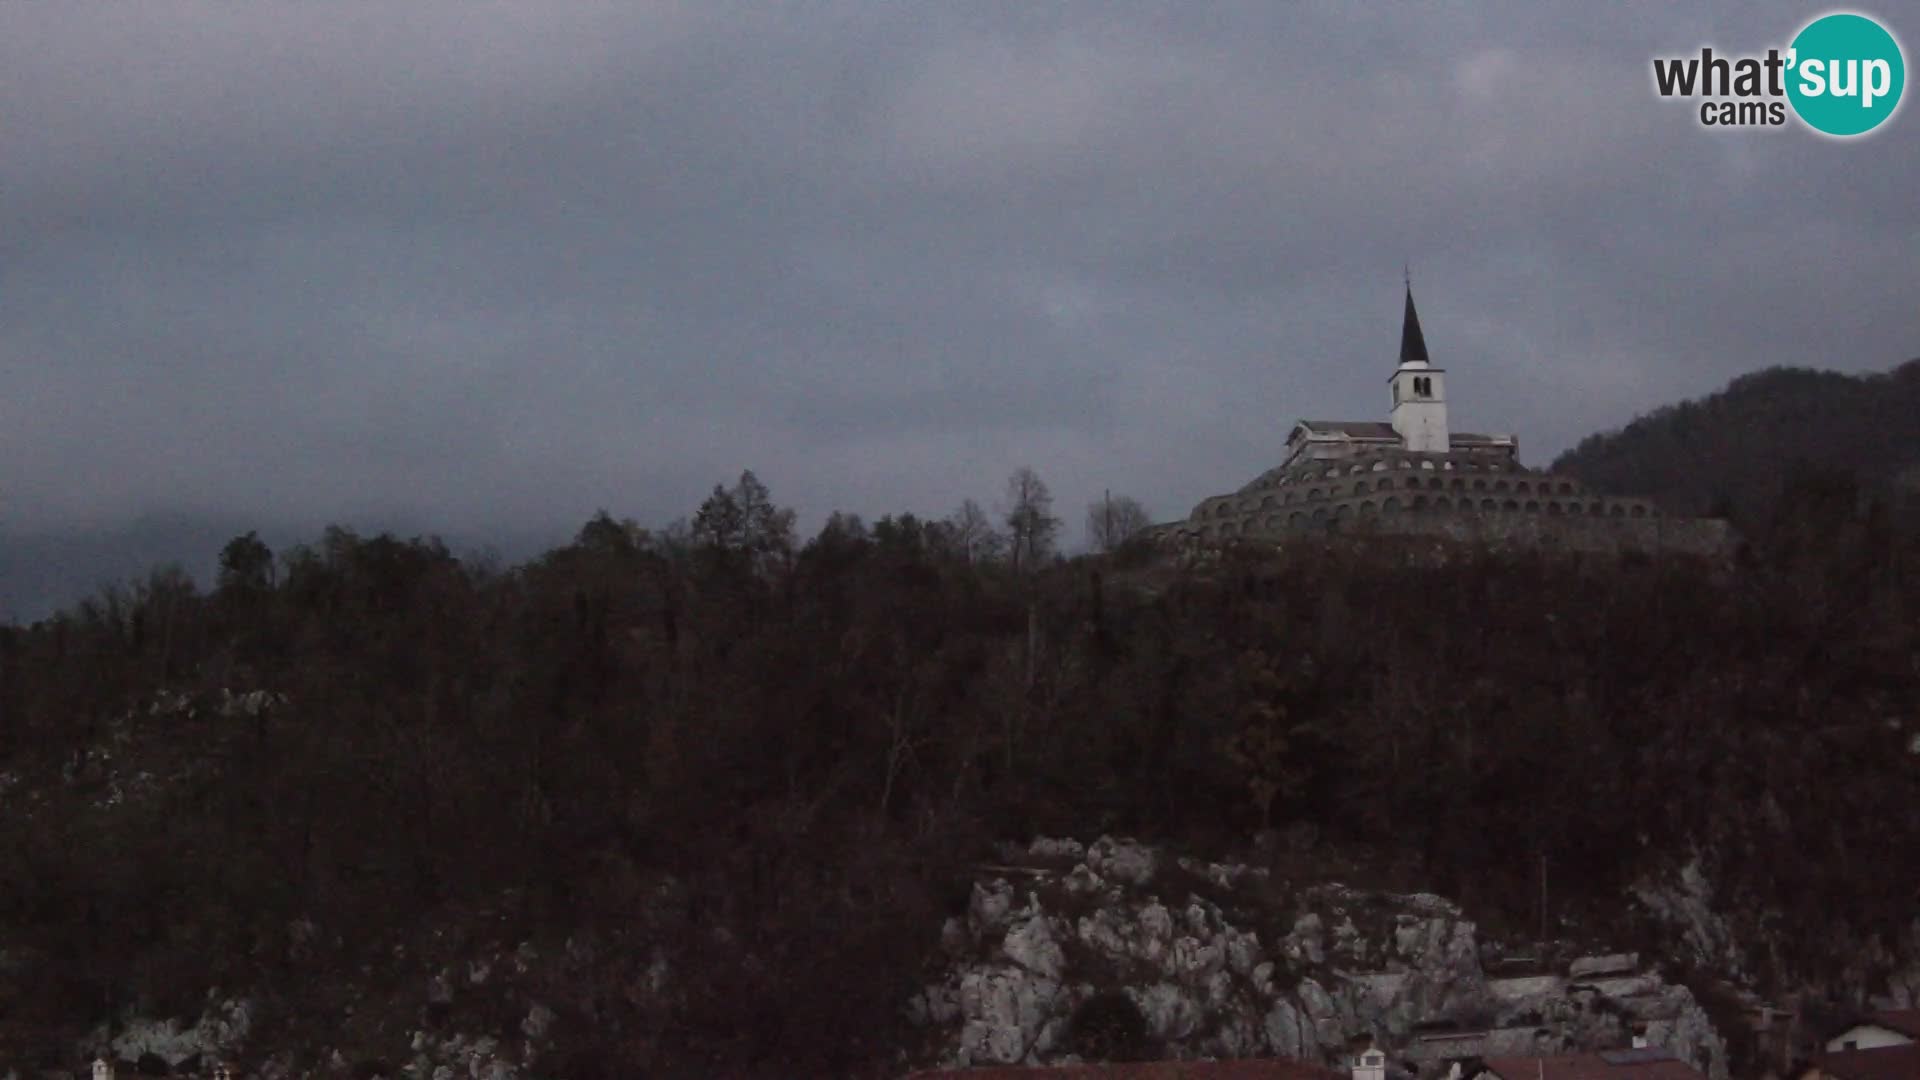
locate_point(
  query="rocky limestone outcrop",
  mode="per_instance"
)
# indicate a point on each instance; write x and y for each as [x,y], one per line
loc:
[1221,961]
[1738,938]
[222,1026]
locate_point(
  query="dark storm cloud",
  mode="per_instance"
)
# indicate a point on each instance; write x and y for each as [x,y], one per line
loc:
[482,270]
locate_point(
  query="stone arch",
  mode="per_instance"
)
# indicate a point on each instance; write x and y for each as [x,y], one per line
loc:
[1553,507]
[1479,484]
[1442,504]
[1427,464]
[1459,484]
[1500,485]
[1566,488]
[1597,509]
[1391,505]
[1618,510]
[1359,487]
[1510,505]
[1419,502]
[1367,508]
[1639,511]
[1380,466]
[1436,484]
[1267,503]
[1489,505]
[1319,513]
[1342,511]
[1356,468]
[1296,518]
[1533,507]
[1521,487]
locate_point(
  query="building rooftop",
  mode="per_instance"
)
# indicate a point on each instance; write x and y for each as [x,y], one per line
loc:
[1904,1021]
[1413,343]
[1644,1064]
[1882,1063]
[1249,1069]
[1352,429]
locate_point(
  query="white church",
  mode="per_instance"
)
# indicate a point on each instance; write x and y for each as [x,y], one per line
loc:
[1413,475]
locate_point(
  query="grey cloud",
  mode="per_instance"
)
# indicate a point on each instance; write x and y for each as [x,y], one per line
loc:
[484,271]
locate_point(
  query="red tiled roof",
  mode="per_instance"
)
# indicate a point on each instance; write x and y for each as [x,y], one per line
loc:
[1904,1021]
[1639,1066]
[1263,1069]
[1880,1063]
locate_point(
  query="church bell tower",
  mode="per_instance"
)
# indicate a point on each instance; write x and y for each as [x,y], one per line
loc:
[1419,391]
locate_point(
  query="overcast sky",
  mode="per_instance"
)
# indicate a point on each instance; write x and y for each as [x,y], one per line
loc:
[482,269]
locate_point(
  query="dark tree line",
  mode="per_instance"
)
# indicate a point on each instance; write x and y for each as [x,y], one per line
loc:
[1733,453]
[766,764]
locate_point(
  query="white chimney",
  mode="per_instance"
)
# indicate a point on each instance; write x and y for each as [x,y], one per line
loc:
[1370,1063]
[102,1070]
[1640,1035]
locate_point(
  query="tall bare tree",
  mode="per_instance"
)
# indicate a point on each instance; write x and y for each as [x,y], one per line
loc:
[971,535]
[1113,520]
[1031,526]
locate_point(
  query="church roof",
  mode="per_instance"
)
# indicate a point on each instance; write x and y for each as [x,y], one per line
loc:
[1413,344]
[1352,429]
[1371,430]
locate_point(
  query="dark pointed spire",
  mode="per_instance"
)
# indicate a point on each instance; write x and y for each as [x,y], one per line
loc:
[1413,344]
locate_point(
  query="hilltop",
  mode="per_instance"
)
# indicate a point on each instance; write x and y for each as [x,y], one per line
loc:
[1740,451]
[700,801]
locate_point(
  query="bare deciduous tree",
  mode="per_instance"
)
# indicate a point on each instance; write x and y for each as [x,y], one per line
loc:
[1031,526]
[971,534]
[1113,520]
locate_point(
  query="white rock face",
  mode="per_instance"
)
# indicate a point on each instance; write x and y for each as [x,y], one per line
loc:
[1047,848]
[220,1028]
[1244,982]
[1588,967]
[1903,985]
[1687,903]
[1122,860]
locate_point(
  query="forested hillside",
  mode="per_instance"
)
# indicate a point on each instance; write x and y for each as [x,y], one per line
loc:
[1736,451]
[752,770]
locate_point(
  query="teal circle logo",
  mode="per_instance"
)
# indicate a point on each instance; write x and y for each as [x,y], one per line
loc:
[1845,74]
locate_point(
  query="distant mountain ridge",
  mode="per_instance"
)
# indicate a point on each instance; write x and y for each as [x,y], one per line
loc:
[1732,451]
